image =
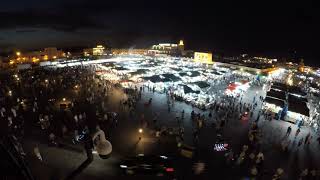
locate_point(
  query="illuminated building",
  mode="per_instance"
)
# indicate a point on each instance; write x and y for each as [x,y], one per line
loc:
[88,52]
[51,53]
[254,68]
[45,57]
[203,57]
[263,60]
[181,48]
[181,45]
[35,60]
[98,51]
[167,49]
[301,66]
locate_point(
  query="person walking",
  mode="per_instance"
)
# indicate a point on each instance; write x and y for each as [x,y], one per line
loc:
[307,139]
[300,142]
[288,131]
[253,172]
[37,153]
[182,114]
[259,159]
[297,133]
[278,174]
[195,136]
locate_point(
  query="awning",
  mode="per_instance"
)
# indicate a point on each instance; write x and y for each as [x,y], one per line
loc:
[275,101]
[139,71]
[202,84]
[194,74]
[298,105]
[280,86]
[293,98]
[171,77]
[187,89]
[296,90]
[277,94]
[120,68]
[157,78]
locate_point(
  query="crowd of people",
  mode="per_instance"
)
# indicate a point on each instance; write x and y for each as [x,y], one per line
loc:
[58,103]
[251,156]
[61,103]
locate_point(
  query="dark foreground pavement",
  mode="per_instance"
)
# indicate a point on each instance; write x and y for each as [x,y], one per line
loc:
[59,162]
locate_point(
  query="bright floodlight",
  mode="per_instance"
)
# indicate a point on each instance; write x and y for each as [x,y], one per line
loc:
[140,130]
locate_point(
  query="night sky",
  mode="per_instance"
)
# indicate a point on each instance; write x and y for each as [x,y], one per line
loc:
[259,27]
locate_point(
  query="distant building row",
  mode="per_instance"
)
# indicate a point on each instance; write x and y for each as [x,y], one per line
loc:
[159,49]
[50,53]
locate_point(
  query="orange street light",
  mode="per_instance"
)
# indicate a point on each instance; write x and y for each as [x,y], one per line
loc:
[140,132]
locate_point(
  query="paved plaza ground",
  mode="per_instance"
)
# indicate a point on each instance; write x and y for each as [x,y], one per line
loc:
[59,162]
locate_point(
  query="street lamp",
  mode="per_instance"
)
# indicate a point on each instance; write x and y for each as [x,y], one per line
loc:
[140,132]
[18,53]
[63,99]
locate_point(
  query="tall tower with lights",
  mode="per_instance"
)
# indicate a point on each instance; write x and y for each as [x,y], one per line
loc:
[181,47]
[301,66]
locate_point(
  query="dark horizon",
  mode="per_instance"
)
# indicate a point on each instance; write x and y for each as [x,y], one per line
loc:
[264,28]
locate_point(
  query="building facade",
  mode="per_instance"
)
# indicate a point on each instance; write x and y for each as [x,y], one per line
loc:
[167,49]
[202,57]
[50,53]
[99,50]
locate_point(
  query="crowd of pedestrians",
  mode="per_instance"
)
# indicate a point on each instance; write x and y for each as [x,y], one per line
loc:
[64,102]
